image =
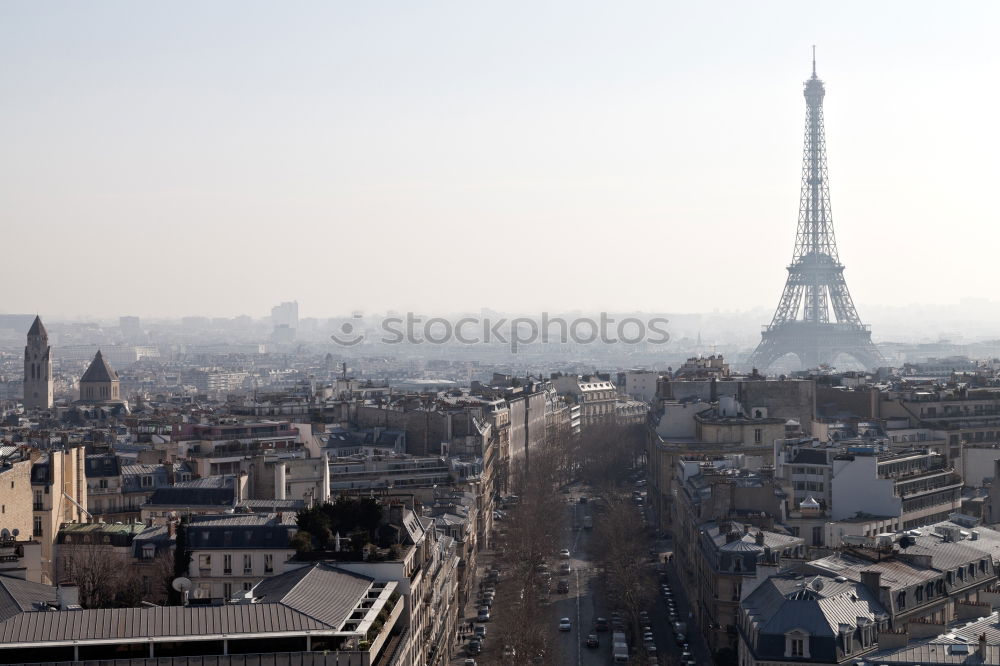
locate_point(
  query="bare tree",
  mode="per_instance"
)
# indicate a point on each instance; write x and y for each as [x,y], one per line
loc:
[103,577]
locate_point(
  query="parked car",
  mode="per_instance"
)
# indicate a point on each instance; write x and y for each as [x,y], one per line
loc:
[592,641]
[565,568]
[484,615]
[469,662]
[601,624]
[480,631]
[565,624]
[564,553]
[563,586]
[475,646]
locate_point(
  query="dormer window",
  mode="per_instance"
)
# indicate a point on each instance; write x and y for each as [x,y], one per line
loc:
[797,644]
[901,600]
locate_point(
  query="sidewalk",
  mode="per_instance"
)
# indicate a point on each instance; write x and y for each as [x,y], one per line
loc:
[469,611]
[696,640]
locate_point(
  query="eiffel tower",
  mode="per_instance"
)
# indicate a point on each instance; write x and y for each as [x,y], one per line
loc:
[815,284]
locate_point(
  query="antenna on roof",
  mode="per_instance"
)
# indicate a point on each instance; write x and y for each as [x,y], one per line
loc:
[814,61]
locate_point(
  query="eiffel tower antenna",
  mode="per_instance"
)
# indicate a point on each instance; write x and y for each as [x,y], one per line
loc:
[816,319]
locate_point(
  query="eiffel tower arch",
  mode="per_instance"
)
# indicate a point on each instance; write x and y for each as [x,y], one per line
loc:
[816,319]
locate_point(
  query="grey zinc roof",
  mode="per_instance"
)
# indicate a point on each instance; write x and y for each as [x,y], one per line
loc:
[319,597]
[243,531]
[783,603]
[322,592]
[896,574]
[937,650]
[99,370]
[18,595]
[180,496]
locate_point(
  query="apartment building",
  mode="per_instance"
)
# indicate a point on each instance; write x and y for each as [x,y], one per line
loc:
[232,553]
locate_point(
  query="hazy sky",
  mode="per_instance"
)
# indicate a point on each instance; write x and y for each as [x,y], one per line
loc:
[178,158]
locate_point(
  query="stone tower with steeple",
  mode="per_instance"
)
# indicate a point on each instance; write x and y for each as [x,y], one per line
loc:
[37,368]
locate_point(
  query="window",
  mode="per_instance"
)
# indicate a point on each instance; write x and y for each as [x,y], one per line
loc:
[205,563]
[247,563]
[247,586]
[919,594]
[37,526]
[972,571]
[757,435]
[103,483]
[227,590]
[901,600]
[147,482]
[227,564]
[38,501]
[148,551]
[929,589]
[797,647]
[268,563]
[982,566]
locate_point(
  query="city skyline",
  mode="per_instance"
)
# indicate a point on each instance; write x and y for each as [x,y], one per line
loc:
[550,139]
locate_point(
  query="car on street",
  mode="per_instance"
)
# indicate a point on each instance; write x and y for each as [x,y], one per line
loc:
[583,499]
[483,615]
[564,553]
[563,586]
[475,646]
[565,568]
[680,639]
[469,662]
[592,641]
[480,631]
[601,624]
[565,624]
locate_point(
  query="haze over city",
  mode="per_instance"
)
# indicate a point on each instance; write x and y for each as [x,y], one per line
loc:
[222,157]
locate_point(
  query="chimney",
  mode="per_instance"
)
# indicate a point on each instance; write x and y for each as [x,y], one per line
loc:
[982,647]
[69,595]
[732,536]
[872,580]
[893,639]
[759,539]
[396,514]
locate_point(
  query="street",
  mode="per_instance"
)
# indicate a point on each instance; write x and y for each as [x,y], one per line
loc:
[582,603]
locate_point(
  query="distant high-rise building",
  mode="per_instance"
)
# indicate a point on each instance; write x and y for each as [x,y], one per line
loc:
[130,326]
[286,314]
[37,368]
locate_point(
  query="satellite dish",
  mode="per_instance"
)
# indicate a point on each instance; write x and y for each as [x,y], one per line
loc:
[16,532]
[818,584]
[5,534]
[181,584]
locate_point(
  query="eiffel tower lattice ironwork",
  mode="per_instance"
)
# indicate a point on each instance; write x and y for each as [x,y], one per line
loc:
[816,319]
